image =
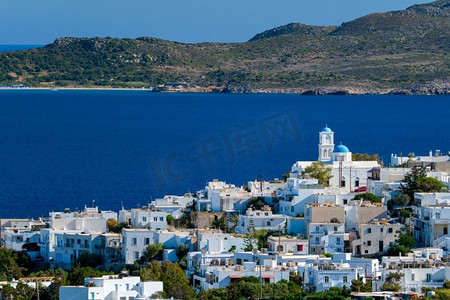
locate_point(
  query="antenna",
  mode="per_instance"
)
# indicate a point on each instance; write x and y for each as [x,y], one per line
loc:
[93,202]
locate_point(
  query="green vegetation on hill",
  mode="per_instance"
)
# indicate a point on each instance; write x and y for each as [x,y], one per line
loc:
[376,52]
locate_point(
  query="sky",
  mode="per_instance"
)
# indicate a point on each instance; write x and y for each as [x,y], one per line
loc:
[192,21]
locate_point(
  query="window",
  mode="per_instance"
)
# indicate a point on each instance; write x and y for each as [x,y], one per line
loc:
[357,182]
[345,279]
[381,229]
[127,286]
[438,215]
[268,223]
[338,240]
[257,213]
[299,248]
[317,239]
[144,219]
[369,230]
[155,219]
[428,277]
[345,201]
[343,183]
[327,279]
[147,241]
[92,295]
[369,243]
[413,277]
[335,228]
[134,241]
[78,241]
[292,209]
[390,230]
[317,229]
[161,219]
[266,214]
[136,255]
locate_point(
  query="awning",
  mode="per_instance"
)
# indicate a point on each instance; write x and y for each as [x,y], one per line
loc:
[235,276]
[268,276]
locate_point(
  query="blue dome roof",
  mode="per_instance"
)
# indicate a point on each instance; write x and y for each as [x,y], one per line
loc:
[341,149]
[326,129]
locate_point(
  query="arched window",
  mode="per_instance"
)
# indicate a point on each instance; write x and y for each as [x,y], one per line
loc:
[280,248]
[343,181]
[329,153]
[357,182]
[325,153]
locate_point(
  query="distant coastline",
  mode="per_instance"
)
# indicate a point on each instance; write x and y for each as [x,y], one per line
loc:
[433,88]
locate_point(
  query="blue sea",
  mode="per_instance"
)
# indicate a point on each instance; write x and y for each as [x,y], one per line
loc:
[64,149]
[5,48]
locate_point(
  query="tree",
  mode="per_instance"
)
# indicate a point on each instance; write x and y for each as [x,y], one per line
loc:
[368,197]
[111,223]
[151,272]
[365,157]
[79,273]
[410,187]
[175,282]
[152,251]
[119,227]
[89,260]
[360,286]
[170,219]
[319,171]
[250,239]
[182,251]
[429,185]
[402,245]
[390,283]
[12,263]
[447,284]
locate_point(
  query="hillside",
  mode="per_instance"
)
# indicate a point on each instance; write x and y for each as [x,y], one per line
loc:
[401,52]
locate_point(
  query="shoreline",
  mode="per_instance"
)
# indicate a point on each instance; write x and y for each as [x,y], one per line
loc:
[427,89]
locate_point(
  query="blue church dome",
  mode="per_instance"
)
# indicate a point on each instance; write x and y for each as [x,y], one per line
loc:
[341,149]
[326,129]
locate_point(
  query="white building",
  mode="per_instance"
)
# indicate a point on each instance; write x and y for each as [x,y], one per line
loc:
[322,275]
[327,237]
[374,237]
[265,188]
[220,243]
[148,218]
[418,271]
[220,196]
[347,174]
[112,287]
[431,217]
[262,219]
[89,220]
[173,205]
[135,241]
[285,244]
[213,277]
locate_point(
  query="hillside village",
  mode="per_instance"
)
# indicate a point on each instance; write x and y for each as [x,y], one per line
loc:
[344,221]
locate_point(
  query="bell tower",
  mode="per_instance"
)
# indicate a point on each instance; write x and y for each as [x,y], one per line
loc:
[326,144]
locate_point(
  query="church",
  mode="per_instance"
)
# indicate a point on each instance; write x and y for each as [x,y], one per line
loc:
[348,175]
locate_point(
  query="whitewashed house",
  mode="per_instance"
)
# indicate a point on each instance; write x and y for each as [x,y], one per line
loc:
[285,244]
[431,217]
[418,271]
[112,287]
[262,219]
[321,276]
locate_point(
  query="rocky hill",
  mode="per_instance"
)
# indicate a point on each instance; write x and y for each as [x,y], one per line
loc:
[396,52]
